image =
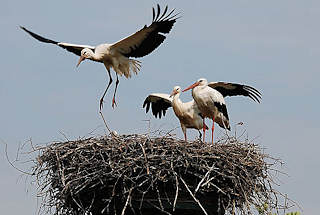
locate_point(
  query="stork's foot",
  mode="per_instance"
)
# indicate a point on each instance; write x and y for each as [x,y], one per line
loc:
[114,103]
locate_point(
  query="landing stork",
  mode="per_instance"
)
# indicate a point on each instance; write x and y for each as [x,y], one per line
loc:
[117,55]
[188,113]
[210,99]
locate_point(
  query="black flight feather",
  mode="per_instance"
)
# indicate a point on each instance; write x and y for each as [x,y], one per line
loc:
[38,37]
[73,49]
[160,26]
[158,107]
[232,89]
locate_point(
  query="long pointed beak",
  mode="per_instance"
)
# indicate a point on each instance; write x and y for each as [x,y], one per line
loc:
[80,60]
[192,86]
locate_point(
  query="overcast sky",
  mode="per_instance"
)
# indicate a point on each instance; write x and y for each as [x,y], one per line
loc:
[271,45]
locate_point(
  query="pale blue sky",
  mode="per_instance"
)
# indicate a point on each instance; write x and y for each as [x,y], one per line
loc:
[271,45]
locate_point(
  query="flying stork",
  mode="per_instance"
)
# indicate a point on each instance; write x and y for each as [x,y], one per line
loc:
[210,99]
[117,55]
[188,113]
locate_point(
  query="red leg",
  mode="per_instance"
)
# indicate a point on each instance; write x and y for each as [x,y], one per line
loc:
[204,130]
[212,128]
[185,136]
[113,102]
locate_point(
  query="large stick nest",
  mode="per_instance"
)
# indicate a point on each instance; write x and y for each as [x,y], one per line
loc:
[133,174]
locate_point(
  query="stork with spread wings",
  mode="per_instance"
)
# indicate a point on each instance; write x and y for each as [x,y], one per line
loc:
[117,55]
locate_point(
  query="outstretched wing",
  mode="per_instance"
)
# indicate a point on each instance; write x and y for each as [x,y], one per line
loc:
[148,38]
[159,103]
[232,89]
[76,49]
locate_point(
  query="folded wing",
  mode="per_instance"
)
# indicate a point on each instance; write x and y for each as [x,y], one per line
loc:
[159,103]
[149,37]
[232,89]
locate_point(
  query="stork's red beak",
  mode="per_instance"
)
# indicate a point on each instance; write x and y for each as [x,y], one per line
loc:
[191,87]
[80,60]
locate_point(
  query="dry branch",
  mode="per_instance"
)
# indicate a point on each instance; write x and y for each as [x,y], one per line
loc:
[131,173]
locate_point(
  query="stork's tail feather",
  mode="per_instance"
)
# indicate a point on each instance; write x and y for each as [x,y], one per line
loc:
[128,67]
[133,67]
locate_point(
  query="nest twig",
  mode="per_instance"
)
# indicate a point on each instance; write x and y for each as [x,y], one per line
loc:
[131,173]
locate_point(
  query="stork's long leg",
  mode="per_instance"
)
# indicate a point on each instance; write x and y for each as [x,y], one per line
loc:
[110,81]
[212,128]
[200,135]
[204,130]
[114,94]
[185,136]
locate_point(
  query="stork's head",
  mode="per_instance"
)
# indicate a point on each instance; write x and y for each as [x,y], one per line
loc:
[200,82]
[86,53]
[176,90]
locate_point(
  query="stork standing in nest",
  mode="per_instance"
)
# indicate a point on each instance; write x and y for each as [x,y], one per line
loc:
[209,98]
[188,113]
[117,55]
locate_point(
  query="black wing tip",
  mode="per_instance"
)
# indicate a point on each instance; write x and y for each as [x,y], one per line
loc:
[241,89]
[254,98]
[165,16]
[252,89]
[23,28]
[158,11]
[253,93]
[153,14]
[38,37]
[146,103]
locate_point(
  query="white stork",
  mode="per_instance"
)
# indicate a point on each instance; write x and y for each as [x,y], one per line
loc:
[117,55]
[188,113]
[210,99]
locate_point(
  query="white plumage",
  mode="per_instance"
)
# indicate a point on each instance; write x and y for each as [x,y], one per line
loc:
[211,103]
[117,55]
[188,113]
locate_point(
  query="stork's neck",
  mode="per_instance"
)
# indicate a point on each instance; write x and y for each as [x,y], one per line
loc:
[197,89]
[94,56]
[97,56]
[177,105]
[194,91]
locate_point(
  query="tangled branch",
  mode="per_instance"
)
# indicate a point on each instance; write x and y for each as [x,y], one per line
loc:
[131,173]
